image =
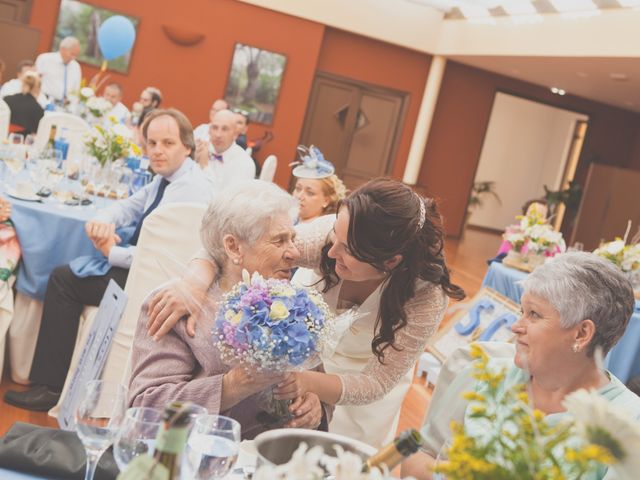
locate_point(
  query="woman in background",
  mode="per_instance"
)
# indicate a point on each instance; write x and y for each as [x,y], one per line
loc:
[26,112]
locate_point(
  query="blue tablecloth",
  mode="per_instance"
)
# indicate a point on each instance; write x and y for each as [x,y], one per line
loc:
[623,360]
[51,234]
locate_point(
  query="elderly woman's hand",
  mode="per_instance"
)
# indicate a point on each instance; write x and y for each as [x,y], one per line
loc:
[241,382]
[307,410]
[5,209]
[294,385]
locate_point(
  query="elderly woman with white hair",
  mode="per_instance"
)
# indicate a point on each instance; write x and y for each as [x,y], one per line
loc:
[575,308]
[248,226]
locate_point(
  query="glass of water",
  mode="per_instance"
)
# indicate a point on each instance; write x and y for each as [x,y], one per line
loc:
[99,416]
[137,435]
[212,447]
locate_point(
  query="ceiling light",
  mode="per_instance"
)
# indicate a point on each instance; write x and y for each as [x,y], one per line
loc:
[564,6]
[557,91]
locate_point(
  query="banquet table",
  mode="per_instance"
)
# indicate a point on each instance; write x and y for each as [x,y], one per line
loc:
[623,360]
[50,234]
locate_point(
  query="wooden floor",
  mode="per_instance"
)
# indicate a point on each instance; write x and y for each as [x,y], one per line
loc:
[467,260]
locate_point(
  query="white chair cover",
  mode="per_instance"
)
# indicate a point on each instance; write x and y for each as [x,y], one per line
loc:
[269,168]
[76,129]
[5,119]
[6,314]
[171,230]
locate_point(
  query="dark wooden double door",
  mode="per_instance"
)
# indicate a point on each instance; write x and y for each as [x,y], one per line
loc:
[355,125]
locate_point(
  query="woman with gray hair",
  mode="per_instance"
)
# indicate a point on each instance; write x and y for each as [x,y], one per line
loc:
[575,308]
[248,226]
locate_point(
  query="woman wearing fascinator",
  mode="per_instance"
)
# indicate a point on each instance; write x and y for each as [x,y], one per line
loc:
[382,253]
[317,188]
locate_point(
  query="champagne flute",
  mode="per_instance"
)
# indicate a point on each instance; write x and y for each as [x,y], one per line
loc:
[137,435]
[443,457]
[98,418]
[212,447]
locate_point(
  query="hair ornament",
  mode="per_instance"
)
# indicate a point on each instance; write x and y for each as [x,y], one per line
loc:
[423,213]
[312,164]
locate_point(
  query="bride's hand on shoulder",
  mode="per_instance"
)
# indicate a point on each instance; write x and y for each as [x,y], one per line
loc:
[165,310]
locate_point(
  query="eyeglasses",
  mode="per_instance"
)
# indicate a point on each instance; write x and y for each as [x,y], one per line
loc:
[244,113]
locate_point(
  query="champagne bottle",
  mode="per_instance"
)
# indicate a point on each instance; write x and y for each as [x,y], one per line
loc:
[170,443]
[391,455]
[52,137]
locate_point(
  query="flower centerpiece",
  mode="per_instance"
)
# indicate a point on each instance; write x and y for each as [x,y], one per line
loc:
[108,143]
[272,325]
[532,240]
[517,441]
[312,464]
[625,257]
[98,106]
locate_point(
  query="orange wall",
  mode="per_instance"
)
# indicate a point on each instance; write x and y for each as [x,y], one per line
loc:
[460,122]
[378,63]
[190,78]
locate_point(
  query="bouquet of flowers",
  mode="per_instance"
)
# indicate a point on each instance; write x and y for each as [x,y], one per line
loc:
[98,106]
[111,142]
[312,464]
[518,442]
[625,257]
[533,234]
[273,326]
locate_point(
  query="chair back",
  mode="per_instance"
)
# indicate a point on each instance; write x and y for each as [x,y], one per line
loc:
[269,168]
[76,129]
[171,233]
[5,119]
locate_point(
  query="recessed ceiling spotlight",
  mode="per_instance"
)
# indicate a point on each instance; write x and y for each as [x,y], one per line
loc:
[619,77]
[557,91]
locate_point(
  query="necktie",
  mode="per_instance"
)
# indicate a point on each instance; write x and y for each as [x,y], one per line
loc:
[163,184]
[64,88]
[217,157]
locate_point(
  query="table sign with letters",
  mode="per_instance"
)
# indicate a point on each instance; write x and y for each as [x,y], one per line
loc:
[94,352]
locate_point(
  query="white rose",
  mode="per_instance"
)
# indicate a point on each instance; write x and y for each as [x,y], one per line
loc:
[87,92]
[122,130]
[614,247]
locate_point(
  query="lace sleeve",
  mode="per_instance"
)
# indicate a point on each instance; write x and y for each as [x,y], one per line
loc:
[424,313]
[311,237]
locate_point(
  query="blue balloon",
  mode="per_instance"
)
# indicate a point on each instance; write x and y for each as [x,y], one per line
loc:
[116,36]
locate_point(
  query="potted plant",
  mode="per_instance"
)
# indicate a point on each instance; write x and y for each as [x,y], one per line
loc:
[479,192]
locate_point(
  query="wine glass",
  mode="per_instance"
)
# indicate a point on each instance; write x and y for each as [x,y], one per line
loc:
[212,447]
[98,418]
[137,435]
[443,456]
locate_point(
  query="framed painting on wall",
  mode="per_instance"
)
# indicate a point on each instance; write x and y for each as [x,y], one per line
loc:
[82,20]
[254,82]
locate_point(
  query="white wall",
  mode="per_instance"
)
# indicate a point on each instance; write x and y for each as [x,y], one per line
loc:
[525,148]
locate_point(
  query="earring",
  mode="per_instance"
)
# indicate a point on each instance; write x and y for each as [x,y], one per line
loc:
[575,348]
[236,261]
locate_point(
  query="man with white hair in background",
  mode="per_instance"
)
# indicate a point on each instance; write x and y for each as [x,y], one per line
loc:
[113,93]
[201,132]
[61,73]
[221,158]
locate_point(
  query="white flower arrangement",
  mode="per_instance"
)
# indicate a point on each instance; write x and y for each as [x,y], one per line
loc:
[625,257]
[111,142]
[307,464]
[98,106]
[598,423]
[533,235]
[85,94]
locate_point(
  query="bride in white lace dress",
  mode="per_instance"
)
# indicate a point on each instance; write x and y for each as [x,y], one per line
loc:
[384,253]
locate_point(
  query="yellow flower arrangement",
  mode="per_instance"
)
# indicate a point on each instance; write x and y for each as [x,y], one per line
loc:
[517,441]
[111,142]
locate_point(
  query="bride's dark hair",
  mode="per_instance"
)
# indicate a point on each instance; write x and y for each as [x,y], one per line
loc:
[385,221]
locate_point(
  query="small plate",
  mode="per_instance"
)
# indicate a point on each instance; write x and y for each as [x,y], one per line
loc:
[27,198]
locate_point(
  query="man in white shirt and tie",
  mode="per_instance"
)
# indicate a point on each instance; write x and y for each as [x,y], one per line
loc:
[61,73]
[113,93]
[223,161]
[170,143]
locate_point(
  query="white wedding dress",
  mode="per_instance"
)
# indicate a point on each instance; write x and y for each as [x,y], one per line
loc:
[372,392]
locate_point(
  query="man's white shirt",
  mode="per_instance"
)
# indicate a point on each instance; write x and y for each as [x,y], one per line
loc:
[52,69]
[119,111]
[236,165]
[187,184]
